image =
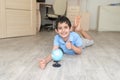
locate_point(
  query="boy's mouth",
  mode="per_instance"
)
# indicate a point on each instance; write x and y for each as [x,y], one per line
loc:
[64,33]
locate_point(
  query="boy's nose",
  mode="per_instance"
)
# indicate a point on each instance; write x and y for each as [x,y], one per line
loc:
[63,29]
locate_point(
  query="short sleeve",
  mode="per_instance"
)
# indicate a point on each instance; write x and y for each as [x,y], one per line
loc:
[78,41]
[56,42]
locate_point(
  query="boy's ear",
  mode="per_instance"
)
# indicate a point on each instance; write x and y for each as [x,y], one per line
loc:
[56,30]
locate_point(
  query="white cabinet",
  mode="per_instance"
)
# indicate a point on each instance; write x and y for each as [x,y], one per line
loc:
[19,4]
[73,10]
[18,23]
[109,18]
[0,21]
[38,19]
[19,18]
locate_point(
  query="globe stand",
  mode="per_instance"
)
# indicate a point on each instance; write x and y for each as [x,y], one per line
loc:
[56,64]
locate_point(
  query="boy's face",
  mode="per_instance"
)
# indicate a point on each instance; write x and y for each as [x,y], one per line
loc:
[63,30]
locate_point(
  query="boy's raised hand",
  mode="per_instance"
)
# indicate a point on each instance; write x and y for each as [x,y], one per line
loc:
[68,44]
[77,21]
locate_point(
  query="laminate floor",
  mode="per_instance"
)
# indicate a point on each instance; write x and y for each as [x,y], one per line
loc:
[19,59]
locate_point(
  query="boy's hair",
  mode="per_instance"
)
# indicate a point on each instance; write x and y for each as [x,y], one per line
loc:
[62,19]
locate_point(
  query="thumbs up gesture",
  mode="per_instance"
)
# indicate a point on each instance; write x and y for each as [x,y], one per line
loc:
[68,44]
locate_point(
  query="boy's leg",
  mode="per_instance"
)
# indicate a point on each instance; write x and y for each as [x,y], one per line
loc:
[45,61]
[85,35]
[87,39]
[79,30]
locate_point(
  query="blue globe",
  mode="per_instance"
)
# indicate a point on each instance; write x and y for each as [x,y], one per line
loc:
[57,55]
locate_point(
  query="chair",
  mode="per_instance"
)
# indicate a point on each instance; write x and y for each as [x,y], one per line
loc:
[59,9]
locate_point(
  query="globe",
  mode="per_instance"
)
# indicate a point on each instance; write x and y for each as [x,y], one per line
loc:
[57,55]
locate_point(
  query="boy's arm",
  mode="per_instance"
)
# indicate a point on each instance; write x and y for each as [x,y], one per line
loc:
[77,50]
[55,47]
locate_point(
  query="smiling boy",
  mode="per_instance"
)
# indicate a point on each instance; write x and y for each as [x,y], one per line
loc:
[70,42]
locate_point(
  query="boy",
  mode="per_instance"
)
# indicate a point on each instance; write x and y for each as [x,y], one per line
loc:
[70,42]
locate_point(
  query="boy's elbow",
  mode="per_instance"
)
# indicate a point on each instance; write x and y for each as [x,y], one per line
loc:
[79,52]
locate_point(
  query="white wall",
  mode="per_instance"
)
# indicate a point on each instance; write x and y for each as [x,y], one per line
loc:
[92,8]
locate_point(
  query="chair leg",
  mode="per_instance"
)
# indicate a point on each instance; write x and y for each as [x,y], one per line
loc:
[49,29]
[53,25]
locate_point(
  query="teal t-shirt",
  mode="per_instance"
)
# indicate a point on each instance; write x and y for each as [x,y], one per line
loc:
[74,38]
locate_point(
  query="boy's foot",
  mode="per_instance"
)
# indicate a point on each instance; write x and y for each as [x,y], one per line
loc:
[42,64]
[77,24]
[77,21]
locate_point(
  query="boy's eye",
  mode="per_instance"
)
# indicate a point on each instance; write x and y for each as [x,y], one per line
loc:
[59,28]
[65,27]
